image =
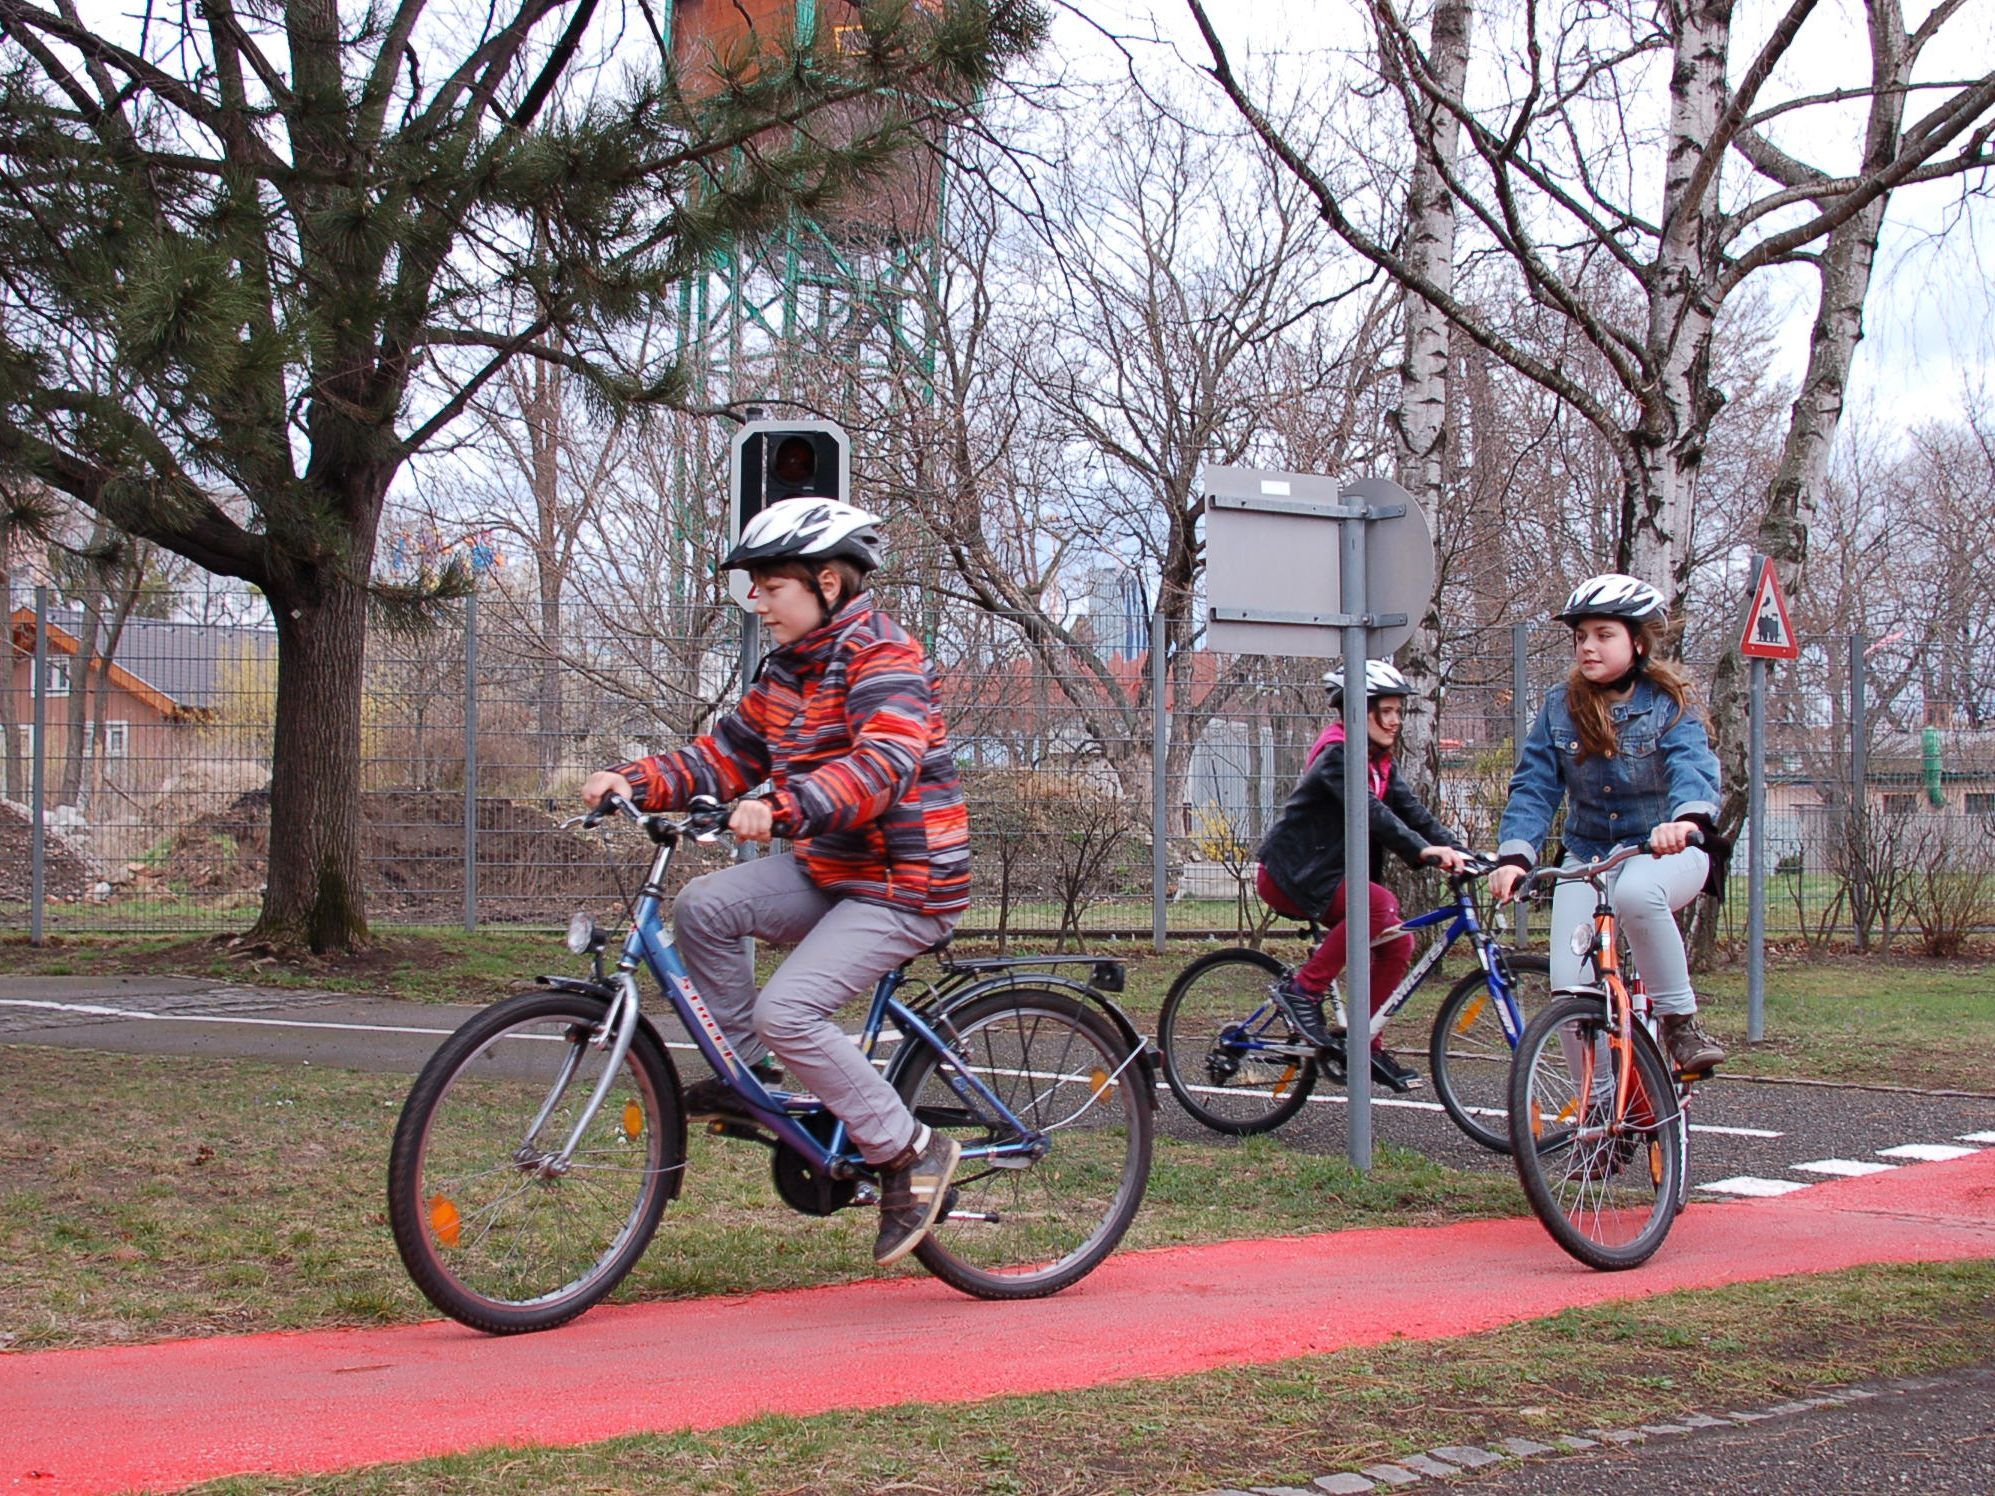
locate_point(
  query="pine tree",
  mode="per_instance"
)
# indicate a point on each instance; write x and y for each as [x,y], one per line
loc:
[256,256]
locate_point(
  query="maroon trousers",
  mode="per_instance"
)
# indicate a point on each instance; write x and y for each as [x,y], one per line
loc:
[1389,958]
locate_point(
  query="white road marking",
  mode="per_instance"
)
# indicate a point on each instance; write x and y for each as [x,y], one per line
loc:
[1931,1153]
[1847,1168]
[1746,1184]
[1339,1098]
[1978,1137]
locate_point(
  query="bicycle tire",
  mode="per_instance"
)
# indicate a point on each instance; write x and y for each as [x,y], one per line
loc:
[1608,1201]
[1029,1229]
[1468,1053]
[1217,1010]
[490,1241]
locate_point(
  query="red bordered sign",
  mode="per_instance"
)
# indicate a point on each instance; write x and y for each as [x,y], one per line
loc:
[1768,632]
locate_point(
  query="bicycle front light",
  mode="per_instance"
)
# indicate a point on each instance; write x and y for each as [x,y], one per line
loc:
[1582,939]
[581,934]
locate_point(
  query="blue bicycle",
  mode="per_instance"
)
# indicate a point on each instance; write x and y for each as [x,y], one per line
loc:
[541,1143]
[1234,1062]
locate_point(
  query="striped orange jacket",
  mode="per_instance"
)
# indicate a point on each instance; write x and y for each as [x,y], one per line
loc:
[844,725]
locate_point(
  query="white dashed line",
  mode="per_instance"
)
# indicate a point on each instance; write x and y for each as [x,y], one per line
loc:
[1747,1184]
[1846,1168]
[1929,1153]
[1978,1137]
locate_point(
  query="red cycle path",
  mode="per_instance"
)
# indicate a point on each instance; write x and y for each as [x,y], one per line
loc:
[172,1414]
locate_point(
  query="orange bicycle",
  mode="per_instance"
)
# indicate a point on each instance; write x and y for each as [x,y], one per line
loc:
[1597,1121]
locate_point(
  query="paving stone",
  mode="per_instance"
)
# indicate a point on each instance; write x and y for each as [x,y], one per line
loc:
[1281,1491]
[1392,1475]
[1737,1417]
[1781,1410]
[1427,1465]
[1664,1428]
[1574,1441]
[1466,1455]
[1705,1420]
[1345,1484]
[1857,1394]
[1523,1447]
[1621,1435]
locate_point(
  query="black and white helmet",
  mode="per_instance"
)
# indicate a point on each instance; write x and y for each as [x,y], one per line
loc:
[1382,678]
[808,529]
[1613,594]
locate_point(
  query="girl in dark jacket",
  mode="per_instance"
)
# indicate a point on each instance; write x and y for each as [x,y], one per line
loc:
[1302,862]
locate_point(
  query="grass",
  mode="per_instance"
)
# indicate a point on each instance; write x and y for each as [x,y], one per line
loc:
[147,1197]
[1611,1366]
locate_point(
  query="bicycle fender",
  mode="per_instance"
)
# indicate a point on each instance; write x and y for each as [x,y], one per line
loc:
[608,994]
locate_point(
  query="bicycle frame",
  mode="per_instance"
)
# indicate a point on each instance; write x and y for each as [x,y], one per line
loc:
[648,944]
[1461,920]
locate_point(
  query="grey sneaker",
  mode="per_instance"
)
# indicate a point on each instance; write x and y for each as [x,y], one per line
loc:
[713,1098]
[1303,1010]
[913,1190]
[1691,1050]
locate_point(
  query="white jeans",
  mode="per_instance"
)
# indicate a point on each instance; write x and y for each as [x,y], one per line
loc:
[1647,893]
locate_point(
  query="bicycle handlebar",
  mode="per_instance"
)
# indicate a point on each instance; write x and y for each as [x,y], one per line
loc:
[1589,871]
[705,818]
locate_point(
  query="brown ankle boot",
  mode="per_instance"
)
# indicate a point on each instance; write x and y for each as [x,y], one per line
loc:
[1690,1049]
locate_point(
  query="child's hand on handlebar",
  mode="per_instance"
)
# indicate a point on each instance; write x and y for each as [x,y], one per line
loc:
[1503,882]
[1447,859]
[753,821]
[600,785]
[1674,836]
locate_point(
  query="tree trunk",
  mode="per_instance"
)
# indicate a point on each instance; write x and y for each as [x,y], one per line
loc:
[1669,440]
[101,687]
[1420,424]
[82,664]
[315,896]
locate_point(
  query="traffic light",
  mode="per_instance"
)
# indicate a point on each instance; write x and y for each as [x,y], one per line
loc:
[771,460]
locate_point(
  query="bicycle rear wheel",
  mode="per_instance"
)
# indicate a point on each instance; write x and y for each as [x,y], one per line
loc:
[1023,1226]
[1469,1054]
[1608,1195]
[1230,1056]
[493,1228]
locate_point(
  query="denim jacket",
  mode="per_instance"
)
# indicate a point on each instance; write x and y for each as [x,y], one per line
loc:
[1663,769]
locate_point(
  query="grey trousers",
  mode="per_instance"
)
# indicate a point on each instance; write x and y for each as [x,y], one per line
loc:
[843,947]
[1647,893]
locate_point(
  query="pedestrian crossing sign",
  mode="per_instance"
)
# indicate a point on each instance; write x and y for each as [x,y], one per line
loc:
[1768,633]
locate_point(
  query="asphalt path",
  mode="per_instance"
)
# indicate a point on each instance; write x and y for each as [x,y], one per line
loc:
[1919,1434]
[1752,1137]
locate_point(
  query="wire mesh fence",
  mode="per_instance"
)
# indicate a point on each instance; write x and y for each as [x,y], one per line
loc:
[1100,806]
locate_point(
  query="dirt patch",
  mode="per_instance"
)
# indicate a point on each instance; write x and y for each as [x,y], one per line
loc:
[528,867]
[65,874]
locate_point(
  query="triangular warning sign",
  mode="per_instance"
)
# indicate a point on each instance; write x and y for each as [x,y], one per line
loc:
[1768,633]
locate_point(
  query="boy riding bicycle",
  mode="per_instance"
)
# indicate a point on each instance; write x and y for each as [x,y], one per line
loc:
[841,723]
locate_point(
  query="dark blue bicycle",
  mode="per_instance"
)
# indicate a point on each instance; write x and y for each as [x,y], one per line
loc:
[541,1143]
[1234,1062]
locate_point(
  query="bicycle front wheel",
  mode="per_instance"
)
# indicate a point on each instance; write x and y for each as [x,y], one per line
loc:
[1231,1058]
[501,1226]
[1469,1053]
[1606,1191]
[1027,1224]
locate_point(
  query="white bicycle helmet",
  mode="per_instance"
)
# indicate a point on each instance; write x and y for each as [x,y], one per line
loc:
[1613,594]
[1382,678]
[808,529]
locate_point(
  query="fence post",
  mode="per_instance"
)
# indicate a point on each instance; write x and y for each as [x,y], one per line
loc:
[471,762]
[1520,725]
[1160,744]
[1859,801]
[38,778]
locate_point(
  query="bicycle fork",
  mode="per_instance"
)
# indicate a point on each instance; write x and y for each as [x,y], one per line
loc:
[617,1031]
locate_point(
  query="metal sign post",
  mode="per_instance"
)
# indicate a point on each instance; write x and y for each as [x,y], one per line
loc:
[1272,588]
[1767,633]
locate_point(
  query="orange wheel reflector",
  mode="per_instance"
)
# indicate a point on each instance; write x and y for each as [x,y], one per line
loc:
[1104,1087]
[1280,1087]
[1570,1111]
[1470,1014]
[444,1220]
[1537,1119]
[1655,1163]
[633,1119]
